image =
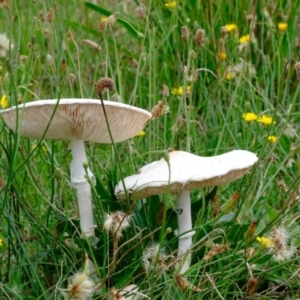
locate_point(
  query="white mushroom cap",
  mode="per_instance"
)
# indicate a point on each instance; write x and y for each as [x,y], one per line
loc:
[188,171]
[81,119]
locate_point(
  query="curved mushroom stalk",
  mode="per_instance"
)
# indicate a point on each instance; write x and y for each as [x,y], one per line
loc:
[84,196]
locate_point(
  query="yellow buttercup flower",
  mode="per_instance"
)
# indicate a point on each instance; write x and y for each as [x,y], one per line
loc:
[249,117]
[265,242]
[244,39]
[4,102]
[230,27]
[171,4]
[266,120]
[141,133]
[282,26]
[272,138]
[179,91]
[1,242]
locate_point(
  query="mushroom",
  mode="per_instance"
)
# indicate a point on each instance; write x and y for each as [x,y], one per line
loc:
[77,120]
[180,173]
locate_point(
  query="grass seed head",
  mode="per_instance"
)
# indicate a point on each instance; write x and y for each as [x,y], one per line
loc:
[116,222]
[185,33]
[297,68]
[199,37]
[50,15]
[103,84]
[140,11]
[92,44]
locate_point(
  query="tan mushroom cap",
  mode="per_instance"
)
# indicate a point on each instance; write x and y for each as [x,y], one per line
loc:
[81,119]
[188,171]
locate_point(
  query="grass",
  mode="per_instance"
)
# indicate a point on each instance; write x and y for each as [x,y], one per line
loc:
[42,246]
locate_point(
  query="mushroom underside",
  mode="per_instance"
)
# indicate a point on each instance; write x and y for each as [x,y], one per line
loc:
[176,187]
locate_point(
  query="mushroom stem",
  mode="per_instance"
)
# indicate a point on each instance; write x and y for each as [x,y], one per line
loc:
[184,225]
[84,195]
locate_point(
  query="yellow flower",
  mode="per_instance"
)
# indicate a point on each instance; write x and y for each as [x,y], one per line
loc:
[179,91]
[272,138]
[222,55]
[282,26]
[230,27]
[104,19]
[249,117]
[244,39]
[265,242]
[1,242]
[171,4]
[141,133]
[266,120]
[4,102]
[230,75]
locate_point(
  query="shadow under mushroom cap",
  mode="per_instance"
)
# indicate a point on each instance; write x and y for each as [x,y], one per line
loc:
[81,119]
[188,171]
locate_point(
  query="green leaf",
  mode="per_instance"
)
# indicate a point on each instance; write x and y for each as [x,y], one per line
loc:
[128,26]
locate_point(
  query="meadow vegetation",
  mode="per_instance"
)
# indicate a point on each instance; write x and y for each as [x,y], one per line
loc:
[218,76]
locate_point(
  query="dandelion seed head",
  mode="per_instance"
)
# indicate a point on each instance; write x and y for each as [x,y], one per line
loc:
[80,287]
[4,44]
[154,257]
[116,222]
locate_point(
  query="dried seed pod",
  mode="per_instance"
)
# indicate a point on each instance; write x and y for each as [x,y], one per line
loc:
[72,78]
[251,286]
[92,44]
[103,84]
[140,11]
[185,33]
[297,68]
[102,25]
[165,91]
[50,15]
[160,108]
[192,55]
[199,37]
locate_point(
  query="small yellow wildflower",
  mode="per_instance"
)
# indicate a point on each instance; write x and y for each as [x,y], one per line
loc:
[266,120]
[272,138]
[222,55]
[230,75]
[230,27]
[4,102]
[179,91]
[104,19]
[1,242]
[265,242]
[249,117]
[282,26]
[171,4]
[244,39]
[141,133]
